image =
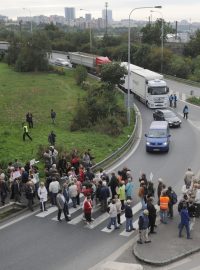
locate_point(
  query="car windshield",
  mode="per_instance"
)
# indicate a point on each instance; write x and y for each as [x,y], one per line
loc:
[157,133]
[157,90]
[169,114]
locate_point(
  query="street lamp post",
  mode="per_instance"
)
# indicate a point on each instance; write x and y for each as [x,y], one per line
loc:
[162,39]
[90,29]
[129,56]
[30,18]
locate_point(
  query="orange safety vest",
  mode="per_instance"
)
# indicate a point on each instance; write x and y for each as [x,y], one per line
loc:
[164,203]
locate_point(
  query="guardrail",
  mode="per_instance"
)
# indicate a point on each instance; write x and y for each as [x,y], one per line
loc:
[123,149]
[193,83]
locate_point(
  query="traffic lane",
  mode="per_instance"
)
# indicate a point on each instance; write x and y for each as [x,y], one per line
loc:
[175,86]
[170,166]
[40,243]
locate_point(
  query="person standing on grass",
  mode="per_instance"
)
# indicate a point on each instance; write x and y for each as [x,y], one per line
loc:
[25,132]
[53,116]
[29,119]
[52,138]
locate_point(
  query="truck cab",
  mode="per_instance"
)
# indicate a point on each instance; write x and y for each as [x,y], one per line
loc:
[157,94]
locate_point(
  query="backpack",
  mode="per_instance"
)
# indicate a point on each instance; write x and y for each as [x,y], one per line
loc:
[174,198]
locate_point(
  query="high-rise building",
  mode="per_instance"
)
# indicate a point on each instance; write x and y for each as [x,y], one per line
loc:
[88,17]
[70,13]
[109,15]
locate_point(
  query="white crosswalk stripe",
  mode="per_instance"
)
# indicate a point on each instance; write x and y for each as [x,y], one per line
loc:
[46,213]
[71,211]
[79,218]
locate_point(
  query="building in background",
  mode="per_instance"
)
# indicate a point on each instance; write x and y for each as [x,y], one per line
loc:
[70,14]
[109,16]
[88,17]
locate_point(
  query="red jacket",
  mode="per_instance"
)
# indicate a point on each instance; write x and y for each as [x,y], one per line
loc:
[88,206]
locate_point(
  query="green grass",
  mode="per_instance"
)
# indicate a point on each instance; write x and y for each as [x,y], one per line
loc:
[39,93]
[194,100]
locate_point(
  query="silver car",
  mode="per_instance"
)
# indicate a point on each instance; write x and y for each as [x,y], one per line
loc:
[62,62]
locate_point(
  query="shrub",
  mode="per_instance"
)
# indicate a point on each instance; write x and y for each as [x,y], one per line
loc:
[111,126]
[80,74]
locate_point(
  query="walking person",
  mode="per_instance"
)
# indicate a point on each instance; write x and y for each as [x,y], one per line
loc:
[54,187]
[185,221]
[129,216]
[143,223]
[185,112]
[52,138]
[61,204]
[171,100]
[175,100]
[42,194]
[104,195]
[122,194]
[25,132]
[53,116]
[113,215]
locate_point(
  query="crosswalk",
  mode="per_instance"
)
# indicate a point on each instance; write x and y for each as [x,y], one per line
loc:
[99,220]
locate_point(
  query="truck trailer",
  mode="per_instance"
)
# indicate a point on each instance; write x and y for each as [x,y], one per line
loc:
[90,61]
[148,86]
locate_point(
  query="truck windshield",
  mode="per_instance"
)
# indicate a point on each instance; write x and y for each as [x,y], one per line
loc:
[161,90]
[157,133]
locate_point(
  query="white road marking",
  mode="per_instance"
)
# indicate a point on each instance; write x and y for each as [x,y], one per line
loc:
[46,213]
[71,211]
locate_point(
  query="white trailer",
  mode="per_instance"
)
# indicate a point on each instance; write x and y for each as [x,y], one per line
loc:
[148,86]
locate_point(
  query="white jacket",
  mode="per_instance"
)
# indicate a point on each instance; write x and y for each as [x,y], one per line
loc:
[42,194]
[54,187]
[113,210]
[73,191]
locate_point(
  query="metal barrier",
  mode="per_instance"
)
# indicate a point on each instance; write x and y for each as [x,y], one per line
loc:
[122,150]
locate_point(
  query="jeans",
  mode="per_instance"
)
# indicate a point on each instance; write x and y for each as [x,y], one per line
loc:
[144,206]
[74,200]
[163,216]
[113,221]
[129,224]
[187,227]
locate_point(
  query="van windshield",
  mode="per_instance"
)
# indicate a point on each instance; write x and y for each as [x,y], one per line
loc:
[157,133]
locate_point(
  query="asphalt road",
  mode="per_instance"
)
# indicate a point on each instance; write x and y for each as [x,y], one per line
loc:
[41,243]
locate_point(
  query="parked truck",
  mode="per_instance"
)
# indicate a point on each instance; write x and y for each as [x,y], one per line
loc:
[148,86]
[90,61]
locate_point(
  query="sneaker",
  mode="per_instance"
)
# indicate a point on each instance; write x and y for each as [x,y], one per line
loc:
[116,228]
[128,230]
[109,228]
[139,242]
[148,241]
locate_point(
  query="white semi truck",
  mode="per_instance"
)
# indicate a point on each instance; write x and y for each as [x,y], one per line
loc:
[148,86]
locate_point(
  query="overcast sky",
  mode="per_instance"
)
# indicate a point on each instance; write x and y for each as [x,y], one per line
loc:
[172,9]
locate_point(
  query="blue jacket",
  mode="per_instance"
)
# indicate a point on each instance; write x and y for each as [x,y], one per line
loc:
[143,222]
[104,193]
[129,189]
[184,216]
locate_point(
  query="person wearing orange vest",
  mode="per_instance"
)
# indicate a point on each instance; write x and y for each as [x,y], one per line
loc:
[164,201]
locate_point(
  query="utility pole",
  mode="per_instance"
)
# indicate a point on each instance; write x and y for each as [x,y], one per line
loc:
[106,5]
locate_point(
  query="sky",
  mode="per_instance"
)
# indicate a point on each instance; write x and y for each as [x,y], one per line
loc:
[172,10]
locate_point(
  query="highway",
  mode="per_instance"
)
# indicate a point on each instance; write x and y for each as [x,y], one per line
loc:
[40,242]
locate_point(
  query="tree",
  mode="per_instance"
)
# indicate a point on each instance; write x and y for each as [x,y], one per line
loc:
[152,33]
[113,74]
[80,74]
[193,47]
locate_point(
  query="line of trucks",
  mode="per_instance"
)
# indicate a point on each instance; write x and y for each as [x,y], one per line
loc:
[148,86]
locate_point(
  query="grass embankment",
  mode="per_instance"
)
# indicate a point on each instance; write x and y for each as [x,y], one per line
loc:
[194,100]
[38,93]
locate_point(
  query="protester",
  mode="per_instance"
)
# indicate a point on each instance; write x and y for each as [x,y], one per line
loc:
[26,133]
[87,208]
[129,189]
[53,116]
[122,194]
[119,210]
[113,215]
[52,138]
[54,187]
[164,202]
[185,112]
[104,195]
[143,227]
[129,216]
[62,206]
[185,221]
[152,214]
[29,119]
[42,194]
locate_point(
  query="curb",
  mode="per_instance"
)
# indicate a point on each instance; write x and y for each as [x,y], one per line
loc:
[164,262]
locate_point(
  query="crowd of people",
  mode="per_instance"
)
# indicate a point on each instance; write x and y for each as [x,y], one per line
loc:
[68,178]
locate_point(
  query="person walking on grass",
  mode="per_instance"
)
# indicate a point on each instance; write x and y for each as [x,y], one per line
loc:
[25,132]
[53,116]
